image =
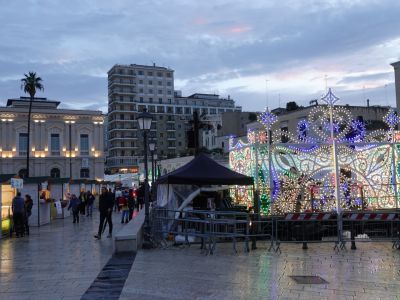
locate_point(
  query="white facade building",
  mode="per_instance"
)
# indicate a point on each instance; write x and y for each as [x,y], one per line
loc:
[63,142]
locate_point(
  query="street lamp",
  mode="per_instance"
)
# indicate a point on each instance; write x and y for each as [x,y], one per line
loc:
[144,119]
[152,147]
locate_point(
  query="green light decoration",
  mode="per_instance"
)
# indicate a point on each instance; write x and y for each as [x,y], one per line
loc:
[303,166]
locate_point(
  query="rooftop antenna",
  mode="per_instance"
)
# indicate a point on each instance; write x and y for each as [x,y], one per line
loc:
[279,99]
[364,93]
[385,93]
[266,92]
[326,83]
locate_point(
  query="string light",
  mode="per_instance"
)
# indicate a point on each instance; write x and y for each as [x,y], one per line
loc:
[302,174]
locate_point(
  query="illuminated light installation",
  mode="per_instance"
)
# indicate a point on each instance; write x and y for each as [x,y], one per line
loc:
[303,172]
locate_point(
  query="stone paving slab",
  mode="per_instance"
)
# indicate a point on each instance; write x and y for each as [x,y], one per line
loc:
[371,272]
[57,261]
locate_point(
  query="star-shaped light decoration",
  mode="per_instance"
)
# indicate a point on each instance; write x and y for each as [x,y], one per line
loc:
[267,118]
[330,98]
[391,119]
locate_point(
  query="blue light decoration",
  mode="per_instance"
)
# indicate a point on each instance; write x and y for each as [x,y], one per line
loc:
[267,118]
[330,98]
[391,119]
[366,156]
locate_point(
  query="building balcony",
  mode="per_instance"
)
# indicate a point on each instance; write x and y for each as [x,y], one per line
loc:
[123,138]
[117,75]
[110,93]
[121,84]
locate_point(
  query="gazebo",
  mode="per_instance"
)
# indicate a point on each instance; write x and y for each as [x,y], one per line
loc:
[202,173]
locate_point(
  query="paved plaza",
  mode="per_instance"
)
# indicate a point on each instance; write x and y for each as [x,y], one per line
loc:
[57,261]
[61,261]
[371,272]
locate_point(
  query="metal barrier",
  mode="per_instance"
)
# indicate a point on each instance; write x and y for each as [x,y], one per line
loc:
[371,227]
[307,228]
[211,227]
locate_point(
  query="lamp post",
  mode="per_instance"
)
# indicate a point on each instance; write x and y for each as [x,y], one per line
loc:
[70,122]
[152,147]
[144,119]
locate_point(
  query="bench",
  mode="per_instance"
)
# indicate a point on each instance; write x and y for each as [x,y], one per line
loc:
[130,237]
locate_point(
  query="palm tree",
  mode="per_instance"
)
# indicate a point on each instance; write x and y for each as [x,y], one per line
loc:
[30,84]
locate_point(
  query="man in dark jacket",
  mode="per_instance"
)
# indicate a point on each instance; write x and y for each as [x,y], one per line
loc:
[18,210]
[106,203]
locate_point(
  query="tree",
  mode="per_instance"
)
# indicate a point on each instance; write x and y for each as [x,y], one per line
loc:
[30,84]
[290,106]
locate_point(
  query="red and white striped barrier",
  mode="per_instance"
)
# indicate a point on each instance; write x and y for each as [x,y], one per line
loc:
[371,216]
[308,216]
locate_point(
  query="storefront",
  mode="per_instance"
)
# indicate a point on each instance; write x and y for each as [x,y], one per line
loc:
[7,193]
[38,188]
[59,188]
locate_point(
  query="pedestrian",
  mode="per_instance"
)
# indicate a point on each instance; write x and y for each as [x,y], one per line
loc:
[89,203]
[18,210]
[131,203]
[28,211]
[140,196]
[123,203]
[82,205]
[74,204]
[106,203]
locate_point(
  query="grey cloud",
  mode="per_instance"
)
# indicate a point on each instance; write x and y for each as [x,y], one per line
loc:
[72,44]
[363,78]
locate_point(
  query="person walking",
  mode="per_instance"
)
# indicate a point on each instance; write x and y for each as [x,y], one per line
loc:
[140,196]
[18,210]
[131,203]
[28,211]
[74,204]
[123,203]
[106,203]
[89,204]
[82,205]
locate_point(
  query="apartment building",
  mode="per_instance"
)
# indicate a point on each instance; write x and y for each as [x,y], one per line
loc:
[63,142]
[132,88]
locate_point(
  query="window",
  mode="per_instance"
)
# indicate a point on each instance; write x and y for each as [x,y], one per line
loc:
[159,74]
[141,99]
[55,144]
[169,101]
[169,83]
[213,111]
[150,82]
[169,92]
[149,73]
[151,100]
[23,143]
[169,74]
[121,98]
[84,145]
[131,99]
[55,173]
[141,91]
[140,72]
[160,100]
[160,83]
[121,117]
[84,173]
[140,81]
[188,111]
[160,91]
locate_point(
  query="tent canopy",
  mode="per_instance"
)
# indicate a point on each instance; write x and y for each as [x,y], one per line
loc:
[203,170]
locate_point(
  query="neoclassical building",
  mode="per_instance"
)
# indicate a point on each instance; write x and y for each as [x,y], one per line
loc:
[63,142]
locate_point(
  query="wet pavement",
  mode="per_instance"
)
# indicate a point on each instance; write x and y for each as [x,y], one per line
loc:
[371,272]
[64,261]
[57,261]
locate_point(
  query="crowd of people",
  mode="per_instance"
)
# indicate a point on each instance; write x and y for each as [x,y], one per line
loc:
[124,201]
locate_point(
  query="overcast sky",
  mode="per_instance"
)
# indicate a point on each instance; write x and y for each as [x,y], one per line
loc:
[255,51]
